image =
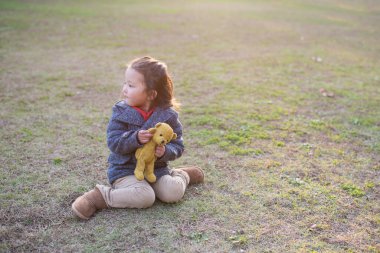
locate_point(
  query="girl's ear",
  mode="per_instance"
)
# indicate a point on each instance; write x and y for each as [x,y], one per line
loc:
[152,94]
[174,136]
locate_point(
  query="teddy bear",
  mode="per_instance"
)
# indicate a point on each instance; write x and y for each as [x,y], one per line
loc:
[162,134]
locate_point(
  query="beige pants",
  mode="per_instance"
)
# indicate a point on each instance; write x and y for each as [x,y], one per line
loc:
[128,192]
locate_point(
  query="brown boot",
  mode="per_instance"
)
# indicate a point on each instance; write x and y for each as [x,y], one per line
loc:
[195,173]
[87,204]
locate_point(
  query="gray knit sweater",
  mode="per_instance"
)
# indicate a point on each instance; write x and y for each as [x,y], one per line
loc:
[122,140]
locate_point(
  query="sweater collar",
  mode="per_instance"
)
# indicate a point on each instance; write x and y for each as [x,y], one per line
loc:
[132,116]
[143,113]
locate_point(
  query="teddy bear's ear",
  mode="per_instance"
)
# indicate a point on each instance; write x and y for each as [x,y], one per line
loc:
[157,125]
[174,136]
[152,130]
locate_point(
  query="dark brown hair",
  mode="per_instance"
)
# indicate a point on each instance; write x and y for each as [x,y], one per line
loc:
[156,78]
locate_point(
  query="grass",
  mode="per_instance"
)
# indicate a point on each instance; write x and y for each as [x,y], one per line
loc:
[287,169]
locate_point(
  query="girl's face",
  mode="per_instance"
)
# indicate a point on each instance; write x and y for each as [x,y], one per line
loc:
[134,90]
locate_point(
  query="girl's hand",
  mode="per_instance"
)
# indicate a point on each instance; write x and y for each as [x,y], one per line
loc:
[144,136]
[160,151]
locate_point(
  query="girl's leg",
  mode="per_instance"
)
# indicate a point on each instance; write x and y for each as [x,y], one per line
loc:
[128,192]
[171,188]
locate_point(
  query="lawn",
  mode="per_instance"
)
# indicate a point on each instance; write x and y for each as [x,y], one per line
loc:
[280,107]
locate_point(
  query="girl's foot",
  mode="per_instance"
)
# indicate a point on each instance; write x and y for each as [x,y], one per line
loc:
[195,173]
[87,204]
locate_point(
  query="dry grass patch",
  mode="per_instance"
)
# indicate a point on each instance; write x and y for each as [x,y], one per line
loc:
[288,169]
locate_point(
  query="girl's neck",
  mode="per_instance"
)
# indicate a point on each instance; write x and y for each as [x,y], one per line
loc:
[147,107]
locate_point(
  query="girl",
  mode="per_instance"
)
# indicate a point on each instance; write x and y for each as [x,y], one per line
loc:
[148,99]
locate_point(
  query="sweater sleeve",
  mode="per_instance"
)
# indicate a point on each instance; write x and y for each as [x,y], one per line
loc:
[174,148]
[119,139]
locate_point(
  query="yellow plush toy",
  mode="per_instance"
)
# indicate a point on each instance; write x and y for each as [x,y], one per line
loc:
[162,134]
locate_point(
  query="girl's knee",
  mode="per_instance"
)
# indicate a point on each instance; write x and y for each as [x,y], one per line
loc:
[171,193]
[145,197]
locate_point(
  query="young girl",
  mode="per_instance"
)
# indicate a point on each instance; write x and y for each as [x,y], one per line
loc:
[148,99]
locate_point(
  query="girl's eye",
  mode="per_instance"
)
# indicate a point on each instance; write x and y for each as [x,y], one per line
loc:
[128,84]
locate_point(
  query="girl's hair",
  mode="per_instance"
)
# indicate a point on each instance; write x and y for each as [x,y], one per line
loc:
[156,78]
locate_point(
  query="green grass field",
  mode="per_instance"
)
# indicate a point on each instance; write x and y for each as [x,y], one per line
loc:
[287,168]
